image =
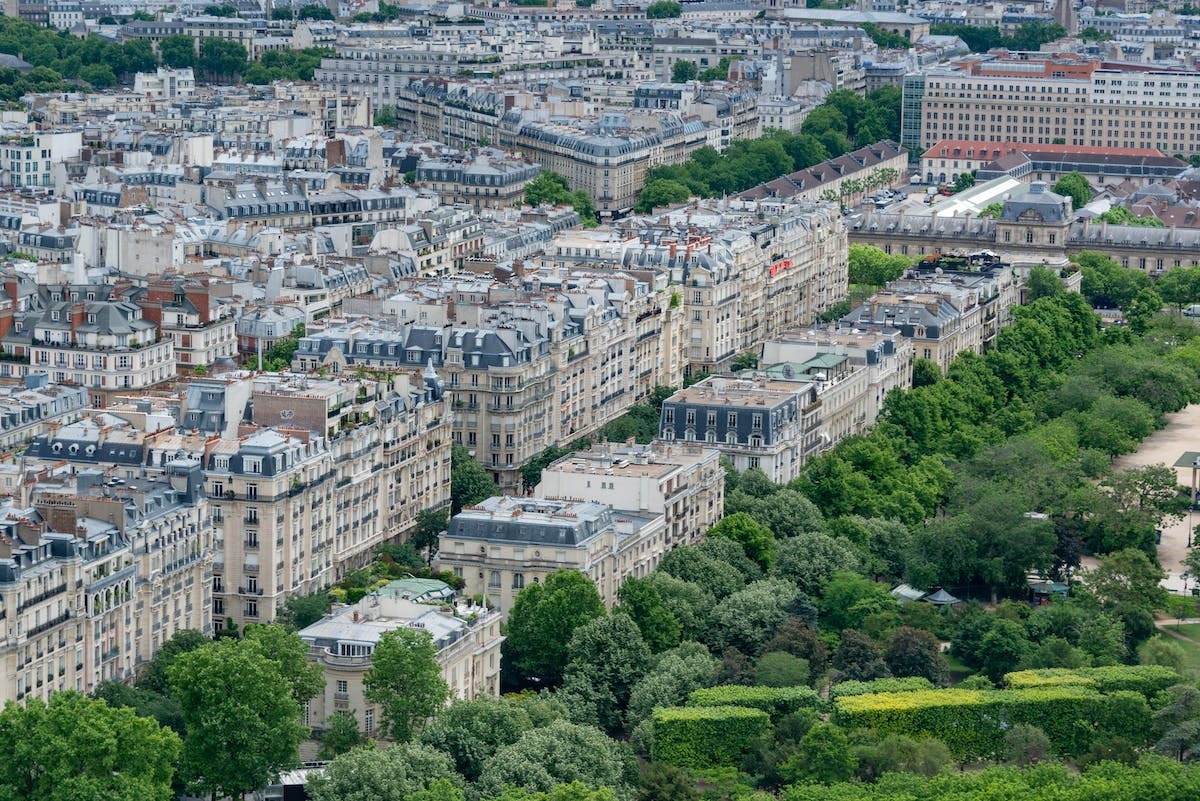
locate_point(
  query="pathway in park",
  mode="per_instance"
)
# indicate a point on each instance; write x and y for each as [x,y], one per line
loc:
[1182,433]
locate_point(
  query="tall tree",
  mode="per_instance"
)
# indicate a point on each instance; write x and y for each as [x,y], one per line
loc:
[244,726]
[79,748]
[542,620]
[406,771]
[290,655]
[469,482]
[644,604]
[471,731]
[608,656]
[561,752]
[1075,186]
[756,539]
[406,681]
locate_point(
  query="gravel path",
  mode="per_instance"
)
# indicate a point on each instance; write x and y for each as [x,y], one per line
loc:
[1182,433]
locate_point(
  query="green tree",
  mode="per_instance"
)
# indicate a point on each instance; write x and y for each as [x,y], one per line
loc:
[1003,648]
[780,669]
[963,182]
[386,117]
[664,9]
[472,731]
[1024,745]
[314,11]
[550,187]
[341,735]
[849,599]
[560,752]
[810,560]
[301,611]
[663,192]
[469,482]
[405,771]
[683,71]
[290,655]
[913,652]
[641,600]
[220,11]
[608,656]
[1126,579]
[1075,186]
[857,658]
[756,540]
[1162,650]
[542,620]
[153,676]
[222,58]
[430,524]
[243,722]
[824,757]
[1043,283]
[872,266]
[671,680]
[747,619]
[145,703]
[661,782]
[406,681]
[80,748]
[1146,304]
[100,76]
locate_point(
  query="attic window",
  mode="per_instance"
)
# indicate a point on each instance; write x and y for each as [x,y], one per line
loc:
[91,318]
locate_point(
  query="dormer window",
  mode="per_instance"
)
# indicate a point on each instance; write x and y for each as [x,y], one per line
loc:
[91,318]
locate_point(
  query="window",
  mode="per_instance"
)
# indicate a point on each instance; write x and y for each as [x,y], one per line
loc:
[756,421]
[494,580]
[252,491]
[518,581]
[368,721]
[251,608]
[731,420]
[343,688]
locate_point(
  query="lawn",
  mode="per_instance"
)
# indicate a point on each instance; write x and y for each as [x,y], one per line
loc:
[1191,646]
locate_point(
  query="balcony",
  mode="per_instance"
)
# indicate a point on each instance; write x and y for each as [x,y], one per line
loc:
[41,596]
[48,625]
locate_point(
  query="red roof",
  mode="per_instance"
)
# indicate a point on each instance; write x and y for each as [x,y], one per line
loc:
[994,150]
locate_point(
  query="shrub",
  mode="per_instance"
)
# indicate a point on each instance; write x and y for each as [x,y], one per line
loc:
[1144,679]
[1047,677]
[706,736]
[890,685]
[972,722]
[775,701]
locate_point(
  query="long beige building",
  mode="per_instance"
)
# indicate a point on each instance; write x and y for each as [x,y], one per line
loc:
[684,482]
[502,544]
[1057,99]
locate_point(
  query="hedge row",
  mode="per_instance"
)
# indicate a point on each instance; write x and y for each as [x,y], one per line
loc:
[774,701]
[706,736]
[907,684]
[972,723]
[1144,679]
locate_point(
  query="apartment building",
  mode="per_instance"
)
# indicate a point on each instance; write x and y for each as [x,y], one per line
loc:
[684,482]
[503,543]
[944,307]
[199,322]
[95,575]
[30,408]
[530,372]
[483,180]
[348,466]
[79,334]
[609,163]
[1052,99]
[31,159]
[756,423]
[467,639]
[853,370]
